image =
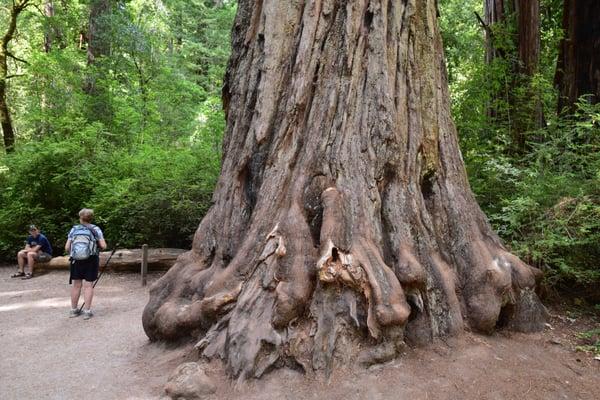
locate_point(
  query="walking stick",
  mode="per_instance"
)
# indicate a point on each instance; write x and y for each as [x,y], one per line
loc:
[101,272]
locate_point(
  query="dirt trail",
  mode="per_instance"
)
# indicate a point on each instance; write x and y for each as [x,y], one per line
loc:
[46,355]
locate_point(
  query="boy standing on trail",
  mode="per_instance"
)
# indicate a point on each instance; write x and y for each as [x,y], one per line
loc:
[84,243]
[37,248]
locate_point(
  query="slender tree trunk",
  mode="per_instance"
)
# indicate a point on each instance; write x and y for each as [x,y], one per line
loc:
[82,40]
[494,14]
[53,37]
[5,118]
[50,33]
[98,45]
[578,69]
[525,111]
[529,112]
[528,25]
[343,223]
[143,83]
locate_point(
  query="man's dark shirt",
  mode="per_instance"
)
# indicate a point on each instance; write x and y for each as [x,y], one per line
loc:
[42,241]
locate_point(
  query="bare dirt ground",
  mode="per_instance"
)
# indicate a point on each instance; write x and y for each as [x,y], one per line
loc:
[46,355]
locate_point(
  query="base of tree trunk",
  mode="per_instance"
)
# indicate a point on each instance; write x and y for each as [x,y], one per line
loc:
[352,308]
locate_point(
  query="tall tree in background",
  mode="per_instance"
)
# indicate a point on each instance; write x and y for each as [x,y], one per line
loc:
[98,45]
[343,222]
[97,38]
[5,118]
[51,34]
[513,35]
[494,13]
[578,69]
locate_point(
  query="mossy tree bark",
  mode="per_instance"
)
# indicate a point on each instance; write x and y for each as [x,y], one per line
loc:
[343,223]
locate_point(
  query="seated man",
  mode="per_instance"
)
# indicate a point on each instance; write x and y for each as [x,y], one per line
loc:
[37,248]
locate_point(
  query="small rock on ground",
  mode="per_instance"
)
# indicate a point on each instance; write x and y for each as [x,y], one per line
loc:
[189,382]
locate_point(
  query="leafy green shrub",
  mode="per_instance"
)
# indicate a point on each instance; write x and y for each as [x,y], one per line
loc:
[153,194]
[45,182]
[544,200]
[551,217]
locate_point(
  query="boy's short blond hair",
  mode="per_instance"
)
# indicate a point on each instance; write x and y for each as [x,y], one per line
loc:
[86,215]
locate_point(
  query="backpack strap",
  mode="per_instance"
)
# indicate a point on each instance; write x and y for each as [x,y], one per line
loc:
[91,230]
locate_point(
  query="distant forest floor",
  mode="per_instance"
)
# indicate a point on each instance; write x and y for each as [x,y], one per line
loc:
[46,355]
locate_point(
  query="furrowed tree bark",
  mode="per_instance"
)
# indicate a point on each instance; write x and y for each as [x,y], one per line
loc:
[578,69]
[343,223]
[5,118]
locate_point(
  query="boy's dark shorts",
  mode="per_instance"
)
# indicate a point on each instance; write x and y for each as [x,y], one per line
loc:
[43,257]
[85,269]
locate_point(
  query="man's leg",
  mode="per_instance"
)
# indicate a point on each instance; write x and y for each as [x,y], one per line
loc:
[31,257]
[75,293]
[21,259]
[88,294]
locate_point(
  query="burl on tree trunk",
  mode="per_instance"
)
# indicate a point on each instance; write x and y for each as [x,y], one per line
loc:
[343,223]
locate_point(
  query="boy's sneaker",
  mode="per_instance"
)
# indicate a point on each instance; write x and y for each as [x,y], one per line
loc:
[87,314]
[74,313]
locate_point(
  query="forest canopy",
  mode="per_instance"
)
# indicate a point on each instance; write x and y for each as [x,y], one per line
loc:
[116,105]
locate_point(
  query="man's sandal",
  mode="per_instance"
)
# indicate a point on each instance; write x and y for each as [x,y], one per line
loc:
[18,274]
[27,276]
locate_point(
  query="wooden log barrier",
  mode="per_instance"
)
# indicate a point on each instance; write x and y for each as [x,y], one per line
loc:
[125,259]
[144,263]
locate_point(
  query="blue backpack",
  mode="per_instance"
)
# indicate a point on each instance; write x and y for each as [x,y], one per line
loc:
[84,243]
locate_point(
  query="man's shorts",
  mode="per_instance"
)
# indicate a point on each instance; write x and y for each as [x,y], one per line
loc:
[42,257]
[85,269]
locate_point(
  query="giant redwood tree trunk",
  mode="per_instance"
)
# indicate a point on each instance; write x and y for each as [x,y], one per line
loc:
[343,223]
[578,70]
